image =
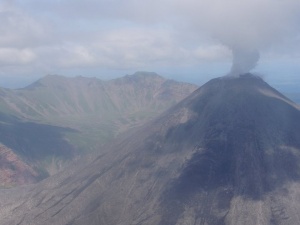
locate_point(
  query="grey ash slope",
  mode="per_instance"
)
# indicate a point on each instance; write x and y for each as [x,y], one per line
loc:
[227,154]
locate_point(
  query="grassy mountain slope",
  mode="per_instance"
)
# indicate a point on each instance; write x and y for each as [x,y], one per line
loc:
[97,109]
[58,118]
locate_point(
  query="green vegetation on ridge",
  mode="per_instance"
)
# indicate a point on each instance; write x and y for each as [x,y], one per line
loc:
[58,118]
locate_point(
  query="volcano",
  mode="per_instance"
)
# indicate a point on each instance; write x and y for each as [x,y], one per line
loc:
[227,154]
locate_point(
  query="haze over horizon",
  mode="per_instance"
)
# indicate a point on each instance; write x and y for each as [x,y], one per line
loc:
[200,126]
[190,40]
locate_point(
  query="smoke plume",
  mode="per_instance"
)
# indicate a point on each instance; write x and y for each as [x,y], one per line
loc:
[246,27]
[243,61]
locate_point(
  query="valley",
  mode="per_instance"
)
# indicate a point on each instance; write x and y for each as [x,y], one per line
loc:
[58,119]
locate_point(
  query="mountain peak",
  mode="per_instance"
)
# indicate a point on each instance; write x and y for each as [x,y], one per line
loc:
[243,79]
[52,78]
[46,81]
[142,76]
[245,83]
[145,73]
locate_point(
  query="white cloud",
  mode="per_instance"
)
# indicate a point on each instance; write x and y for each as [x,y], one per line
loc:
[212,53]
[11,56]
[139,46]
[125,49]
[134,34]
[20,30]
[75,55]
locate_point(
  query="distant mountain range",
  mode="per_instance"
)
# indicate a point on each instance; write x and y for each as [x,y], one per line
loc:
[228,154]
[57,119]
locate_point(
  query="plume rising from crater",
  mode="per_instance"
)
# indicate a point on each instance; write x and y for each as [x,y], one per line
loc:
[243,61]
[246,28]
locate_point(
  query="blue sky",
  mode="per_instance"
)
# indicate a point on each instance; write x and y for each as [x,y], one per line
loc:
[191,40]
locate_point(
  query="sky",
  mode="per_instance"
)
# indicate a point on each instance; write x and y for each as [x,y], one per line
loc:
[187,40]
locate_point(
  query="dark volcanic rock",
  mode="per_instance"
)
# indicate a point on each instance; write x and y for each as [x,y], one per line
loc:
[247,137]
[228,154]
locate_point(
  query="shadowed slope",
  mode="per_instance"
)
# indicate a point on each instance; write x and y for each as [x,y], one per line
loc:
[248,146]
[27,147]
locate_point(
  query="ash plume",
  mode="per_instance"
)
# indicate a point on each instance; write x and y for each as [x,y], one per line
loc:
[243,61]
[245,27]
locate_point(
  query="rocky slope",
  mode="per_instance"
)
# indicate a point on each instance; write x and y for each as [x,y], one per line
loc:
[13,170]
[228,154]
